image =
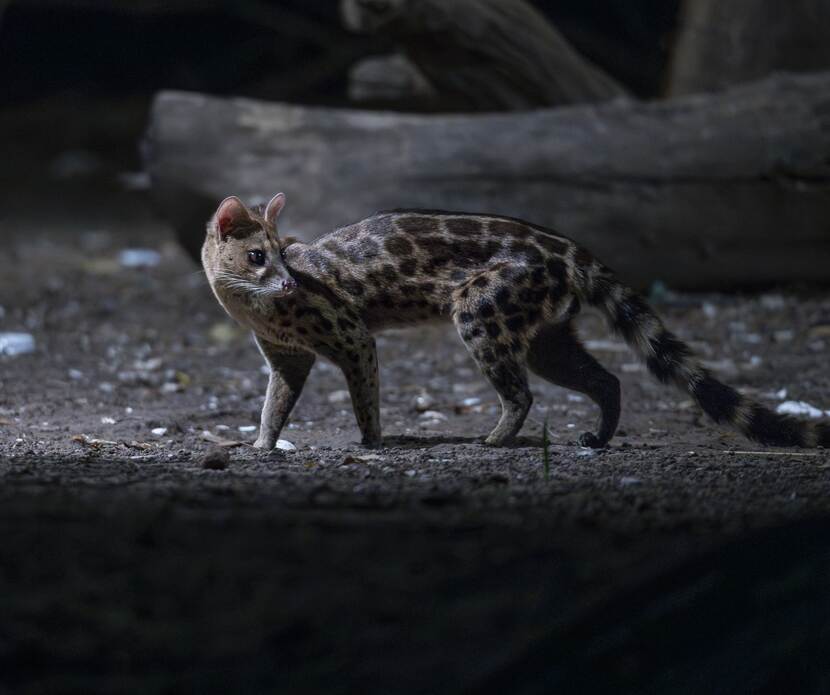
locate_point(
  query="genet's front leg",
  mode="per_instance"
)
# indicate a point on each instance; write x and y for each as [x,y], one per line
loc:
[360,367]
[289,371]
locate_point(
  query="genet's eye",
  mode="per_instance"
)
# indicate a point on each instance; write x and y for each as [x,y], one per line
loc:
[256,256]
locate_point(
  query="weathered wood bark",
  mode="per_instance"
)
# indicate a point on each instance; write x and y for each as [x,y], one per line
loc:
[724,43]
[391,79]
[485,55]
[709,191]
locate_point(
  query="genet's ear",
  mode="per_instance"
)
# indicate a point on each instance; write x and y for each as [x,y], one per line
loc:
[275,206]
[232,217]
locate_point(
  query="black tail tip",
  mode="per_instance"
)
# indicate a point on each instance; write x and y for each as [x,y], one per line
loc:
[823,434]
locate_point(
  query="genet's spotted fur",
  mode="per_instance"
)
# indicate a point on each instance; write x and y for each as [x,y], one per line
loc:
[510,287]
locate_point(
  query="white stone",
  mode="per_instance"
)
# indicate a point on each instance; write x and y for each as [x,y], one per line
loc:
[800,408]
[13,344]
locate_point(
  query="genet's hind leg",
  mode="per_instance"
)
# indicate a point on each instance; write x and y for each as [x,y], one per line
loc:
[499,353]
[557,355]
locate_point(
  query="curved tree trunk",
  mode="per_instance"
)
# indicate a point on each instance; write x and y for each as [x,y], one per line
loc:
[486,55]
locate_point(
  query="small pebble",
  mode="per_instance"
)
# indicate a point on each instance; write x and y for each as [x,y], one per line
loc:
[215,459]
[285,445]
[423,402]
[341,396]
[159,431]
[433,415]
[13,344]
[139,258]
[247,429]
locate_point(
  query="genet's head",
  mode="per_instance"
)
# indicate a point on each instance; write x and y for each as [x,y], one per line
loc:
[242,251]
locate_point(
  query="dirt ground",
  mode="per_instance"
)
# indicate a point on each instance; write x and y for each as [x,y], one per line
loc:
[427,566]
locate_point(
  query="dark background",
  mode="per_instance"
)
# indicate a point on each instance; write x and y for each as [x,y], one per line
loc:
[80,76]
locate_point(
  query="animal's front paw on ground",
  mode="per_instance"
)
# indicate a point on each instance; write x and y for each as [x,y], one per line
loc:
[266,443]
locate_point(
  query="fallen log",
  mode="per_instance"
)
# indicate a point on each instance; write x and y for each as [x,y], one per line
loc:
[703,192]
[485,55]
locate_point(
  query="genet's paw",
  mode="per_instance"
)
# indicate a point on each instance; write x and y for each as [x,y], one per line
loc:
[266,443]
[590,440]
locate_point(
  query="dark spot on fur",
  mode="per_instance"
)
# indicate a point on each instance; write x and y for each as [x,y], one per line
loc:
[345,324]
[333,247]
[556,291]
[487,355]
[398,245]
[493,329]
[386,300]
[538,295]
[486,309]
[669,354]
[556,268]
[601,288]
[514,323]
[552,243]
[531,254]
[390,273]
[508,228]
[409,267]
[480,281]
[415,224]
[458,276]
[718,400]
[326,324]
[502,297]
[629,315]
[427,287]
[463,226]
[537,277]
[353,287]
[767,427]
[302,330]
[465,317]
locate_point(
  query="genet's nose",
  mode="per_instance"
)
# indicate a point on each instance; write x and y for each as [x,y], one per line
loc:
[288,285]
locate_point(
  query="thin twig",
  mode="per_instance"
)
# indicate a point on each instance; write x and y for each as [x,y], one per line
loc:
[771,453]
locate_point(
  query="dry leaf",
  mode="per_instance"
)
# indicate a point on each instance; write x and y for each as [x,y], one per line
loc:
[220,441]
